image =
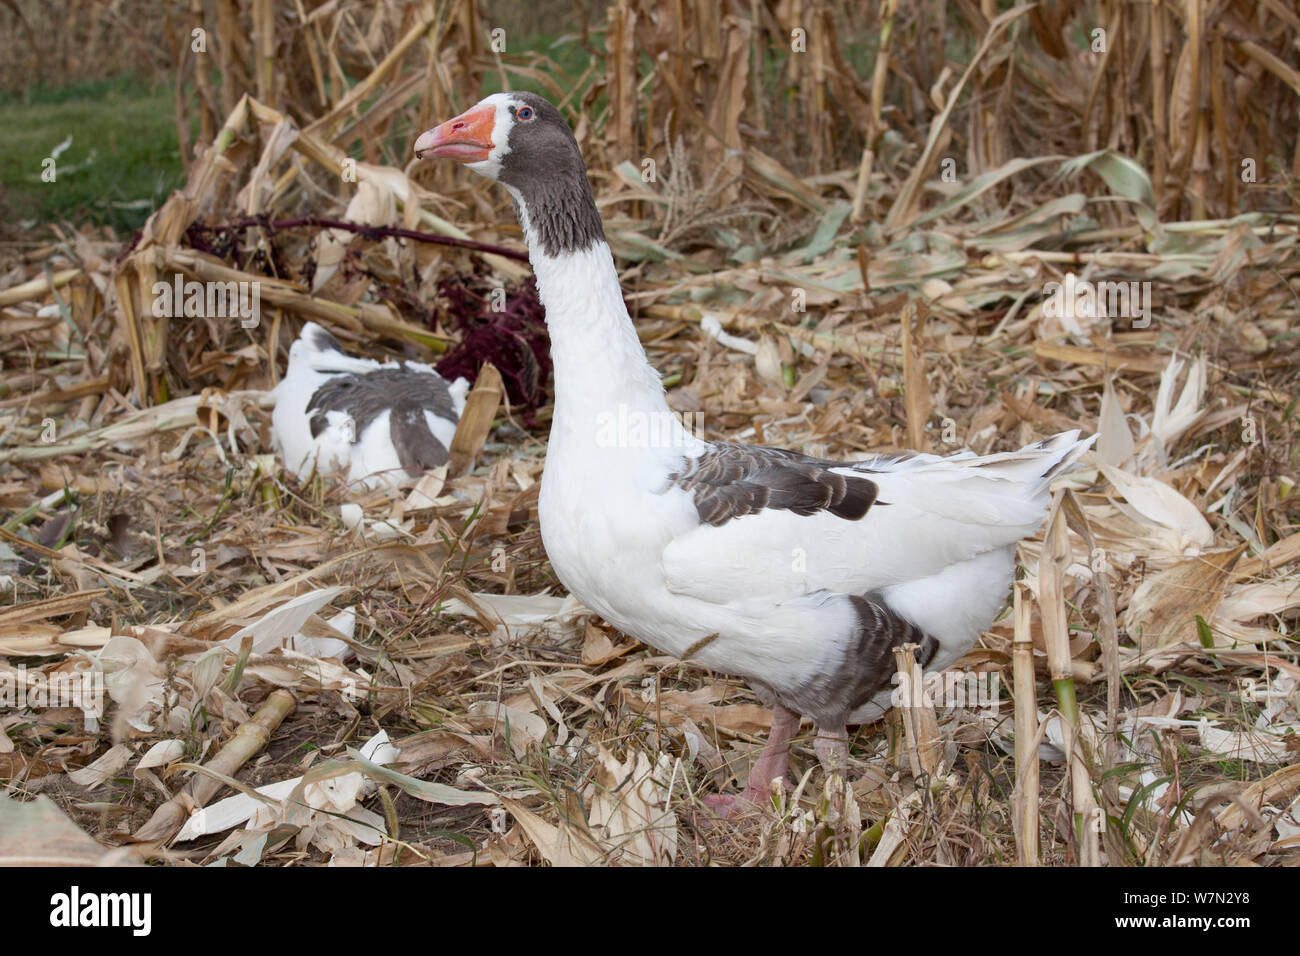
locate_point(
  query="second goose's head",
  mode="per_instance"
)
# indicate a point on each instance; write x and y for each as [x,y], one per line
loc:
[522,141]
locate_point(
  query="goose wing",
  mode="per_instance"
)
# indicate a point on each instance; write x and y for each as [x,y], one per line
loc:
[782,524]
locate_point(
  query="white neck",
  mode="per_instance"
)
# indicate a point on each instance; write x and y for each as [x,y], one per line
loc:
[599,363]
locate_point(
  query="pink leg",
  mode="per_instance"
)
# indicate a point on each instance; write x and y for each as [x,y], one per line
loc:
[771,764]
[832,748]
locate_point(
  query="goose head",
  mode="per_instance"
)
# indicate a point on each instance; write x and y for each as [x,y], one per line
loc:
[523,142]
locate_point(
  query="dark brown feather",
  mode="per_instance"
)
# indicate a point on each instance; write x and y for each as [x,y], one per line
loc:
[731,480]
[867,666]
[407,392]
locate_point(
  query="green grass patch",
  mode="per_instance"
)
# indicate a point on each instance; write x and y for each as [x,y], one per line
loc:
[569,59]
[122,163]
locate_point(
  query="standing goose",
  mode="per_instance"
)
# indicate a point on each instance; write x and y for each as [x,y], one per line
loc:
[798,574]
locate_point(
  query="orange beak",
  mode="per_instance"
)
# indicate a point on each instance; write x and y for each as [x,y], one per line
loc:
[468,137]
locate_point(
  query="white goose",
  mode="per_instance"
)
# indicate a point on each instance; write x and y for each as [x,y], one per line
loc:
[378,423]
[798,574]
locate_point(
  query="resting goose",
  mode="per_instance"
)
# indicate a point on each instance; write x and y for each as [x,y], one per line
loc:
[376,422]
[798,574]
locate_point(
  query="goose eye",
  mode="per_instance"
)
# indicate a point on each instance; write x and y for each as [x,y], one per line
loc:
[525,113]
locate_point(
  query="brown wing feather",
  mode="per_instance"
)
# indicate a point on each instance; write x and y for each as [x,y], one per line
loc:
[406,392]
[731,480]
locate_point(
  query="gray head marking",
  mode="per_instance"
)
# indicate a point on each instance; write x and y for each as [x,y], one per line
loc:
[545,167]
[523,141]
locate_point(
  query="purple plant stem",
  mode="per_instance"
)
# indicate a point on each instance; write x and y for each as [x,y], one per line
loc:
[368,232]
